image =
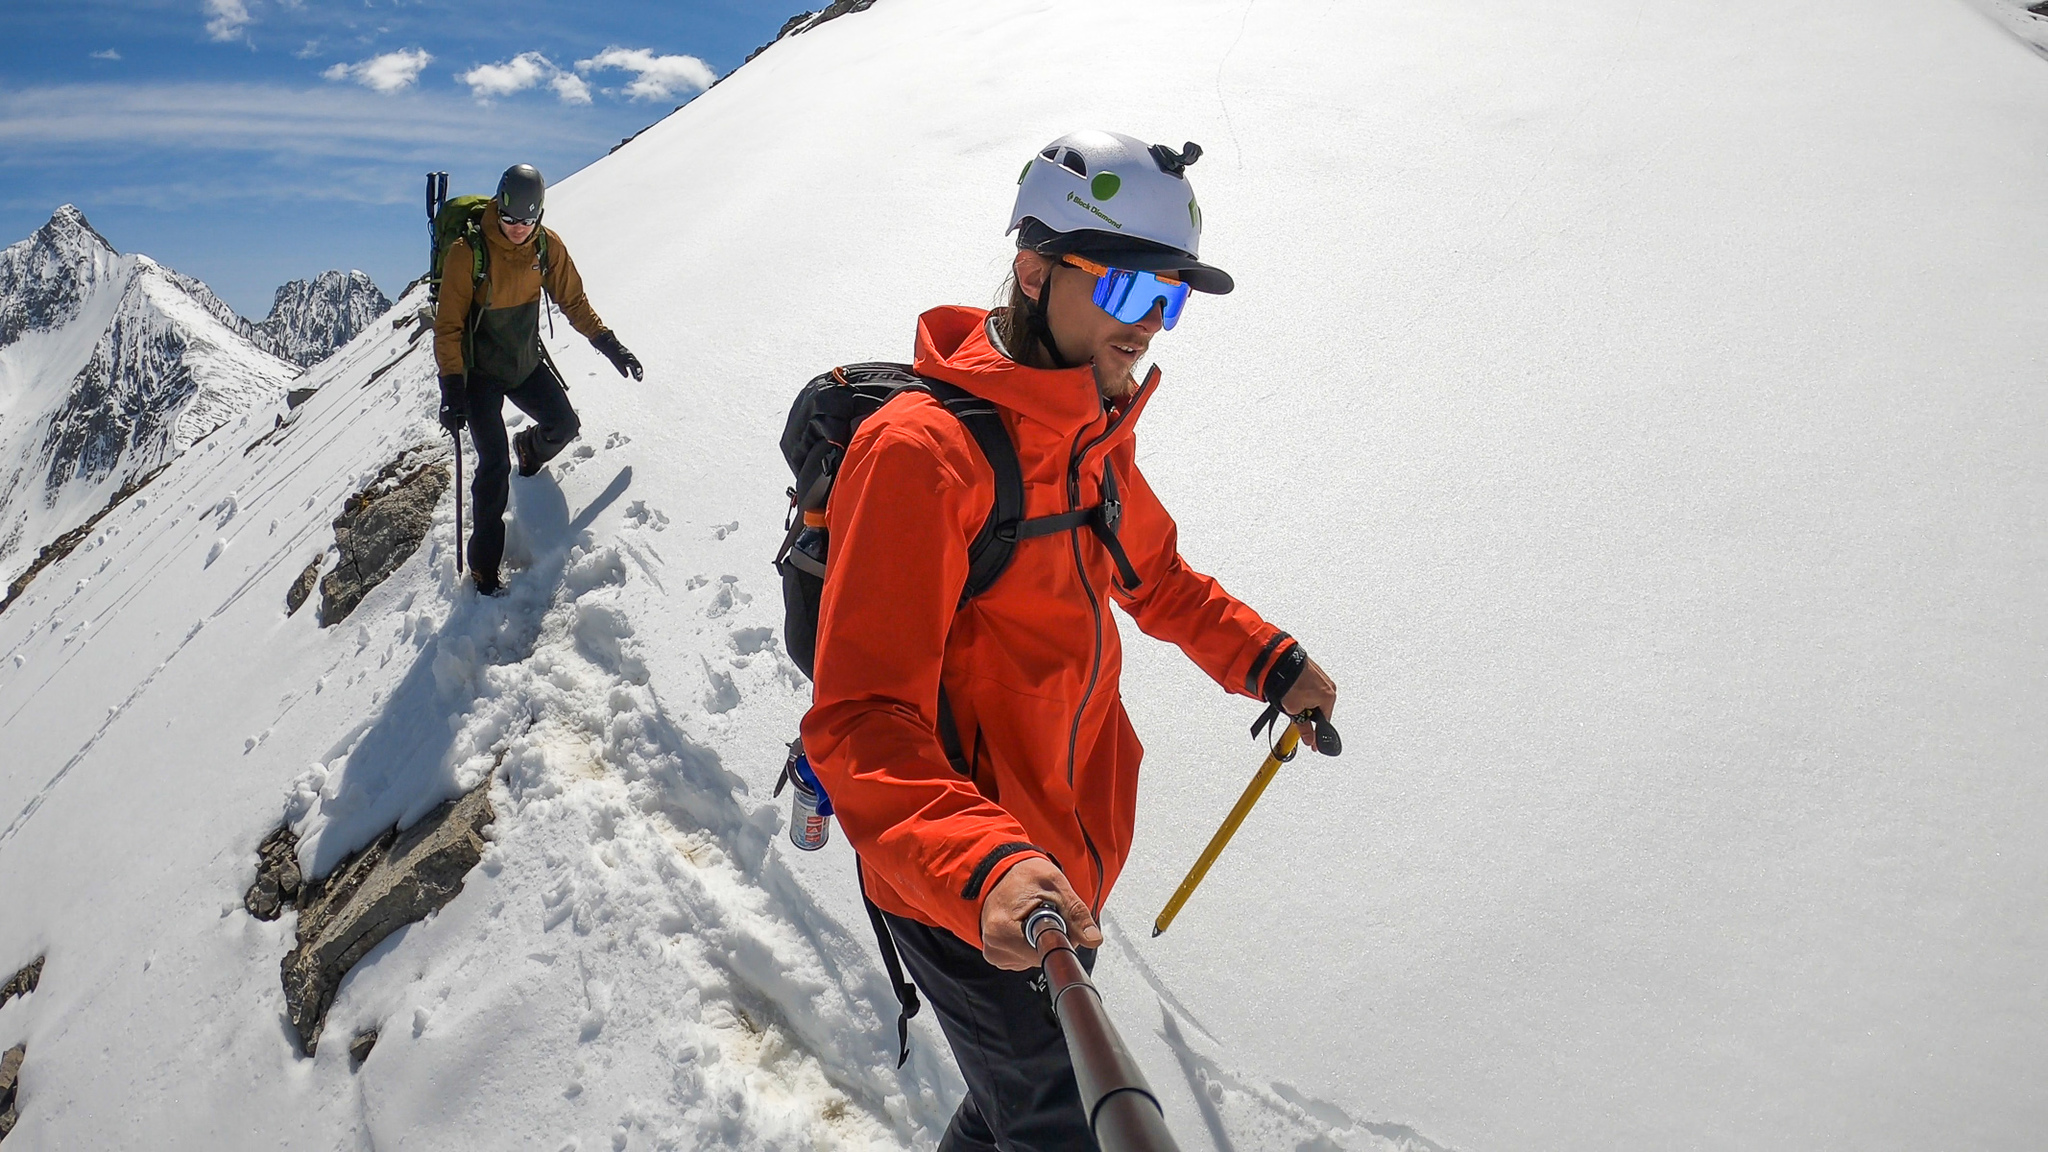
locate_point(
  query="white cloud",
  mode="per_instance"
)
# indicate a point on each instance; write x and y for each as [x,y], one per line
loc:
[333,130]
[573,89]
[391,72]
[515,75]
[655,77]
[109,54]
[524,71]
[229,17]
[311,50]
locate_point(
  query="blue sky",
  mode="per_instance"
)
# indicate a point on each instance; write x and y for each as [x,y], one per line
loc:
[251,142]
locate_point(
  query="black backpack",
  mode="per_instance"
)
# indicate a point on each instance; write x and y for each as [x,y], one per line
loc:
[821,424]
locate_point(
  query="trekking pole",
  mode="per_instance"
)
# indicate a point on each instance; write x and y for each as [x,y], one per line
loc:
[1326,740]
[1122,1112]
[456,437]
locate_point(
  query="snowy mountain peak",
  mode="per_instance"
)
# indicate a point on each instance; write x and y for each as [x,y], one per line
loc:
[69,229]
[44,279]
[110,365]
[309,319]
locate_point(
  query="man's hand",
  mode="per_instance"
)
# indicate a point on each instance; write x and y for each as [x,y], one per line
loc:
[1313,689]
[628,364]
[454,403]
[1021,890]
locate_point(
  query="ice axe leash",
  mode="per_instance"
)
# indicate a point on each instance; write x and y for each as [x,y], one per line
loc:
[1122,1112]
[1327,742]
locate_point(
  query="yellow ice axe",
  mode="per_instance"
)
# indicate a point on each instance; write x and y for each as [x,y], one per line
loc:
[1326,741]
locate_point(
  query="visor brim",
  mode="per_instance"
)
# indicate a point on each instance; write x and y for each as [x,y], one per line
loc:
[1197,275]
[1121,252]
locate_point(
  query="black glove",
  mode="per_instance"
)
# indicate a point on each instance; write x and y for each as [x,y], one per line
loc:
[628,364]
[454,403]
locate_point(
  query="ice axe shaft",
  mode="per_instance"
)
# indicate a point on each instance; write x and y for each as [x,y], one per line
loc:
[1281,754]
[456,438]
[1122,1112]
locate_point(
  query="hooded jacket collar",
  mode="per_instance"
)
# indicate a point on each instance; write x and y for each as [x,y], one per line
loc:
[495,238]
[953,345]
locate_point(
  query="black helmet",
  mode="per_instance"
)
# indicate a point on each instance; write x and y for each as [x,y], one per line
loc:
[521,192]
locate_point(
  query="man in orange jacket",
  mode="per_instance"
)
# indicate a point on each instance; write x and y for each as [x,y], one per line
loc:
[1041,806]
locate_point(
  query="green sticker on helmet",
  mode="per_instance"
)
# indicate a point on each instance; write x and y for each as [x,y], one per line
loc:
[1105,185]
[1194,214]
[1025,172]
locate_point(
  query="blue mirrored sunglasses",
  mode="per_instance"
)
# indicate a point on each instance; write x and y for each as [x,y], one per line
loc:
[1129,296]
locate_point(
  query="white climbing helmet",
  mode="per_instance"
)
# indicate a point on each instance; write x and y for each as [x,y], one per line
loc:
[1116,200]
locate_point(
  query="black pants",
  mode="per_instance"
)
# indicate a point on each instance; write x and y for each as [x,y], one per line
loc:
[540,396]
[1021,1094]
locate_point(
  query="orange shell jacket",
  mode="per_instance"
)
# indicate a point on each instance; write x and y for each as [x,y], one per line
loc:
[1030,666]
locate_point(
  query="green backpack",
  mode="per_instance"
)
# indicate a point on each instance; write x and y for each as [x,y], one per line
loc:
[462,219]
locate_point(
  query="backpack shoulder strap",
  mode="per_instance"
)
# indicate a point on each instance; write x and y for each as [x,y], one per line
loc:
[989,553]
[906,992]
[473,235]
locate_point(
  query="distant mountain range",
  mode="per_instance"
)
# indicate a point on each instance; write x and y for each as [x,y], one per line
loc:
[112,364]
[311,318]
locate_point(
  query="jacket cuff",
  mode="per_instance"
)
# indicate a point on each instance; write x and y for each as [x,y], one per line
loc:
[990,872]
[1255,676]
[1285,670]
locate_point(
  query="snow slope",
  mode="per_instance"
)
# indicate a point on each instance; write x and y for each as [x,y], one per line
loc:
[1634,406]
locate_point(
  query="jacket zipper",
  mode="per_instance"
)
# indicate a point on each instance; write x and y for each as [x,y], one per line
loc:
[1095,607]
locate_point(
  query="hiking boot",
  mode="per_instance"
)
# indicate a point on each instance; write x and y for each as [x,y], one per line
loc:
[529,459]
[486,583]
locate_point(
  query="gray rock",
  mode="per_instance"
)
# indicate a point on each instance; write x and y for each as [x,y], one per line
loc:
[295,596]
[23,982]
[359,1048]
[398,880]
[277,876]
[382,525]
[10,1079]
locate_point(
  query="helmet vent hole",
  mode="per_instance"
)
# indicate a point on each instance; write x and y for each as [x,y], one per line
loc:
[1072,162]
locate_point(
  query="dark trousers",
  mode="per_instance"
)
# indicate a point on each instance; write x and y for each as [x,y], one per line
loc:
[540,396]
[1021,1094]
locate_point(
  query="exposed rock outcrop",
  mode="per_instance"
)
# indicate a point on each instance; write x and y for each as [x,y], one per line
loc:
[309,579]
[359,1048]
[10,1083]
[382,525]
[278,882]
[23,982]
[398,880]
[805,21]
